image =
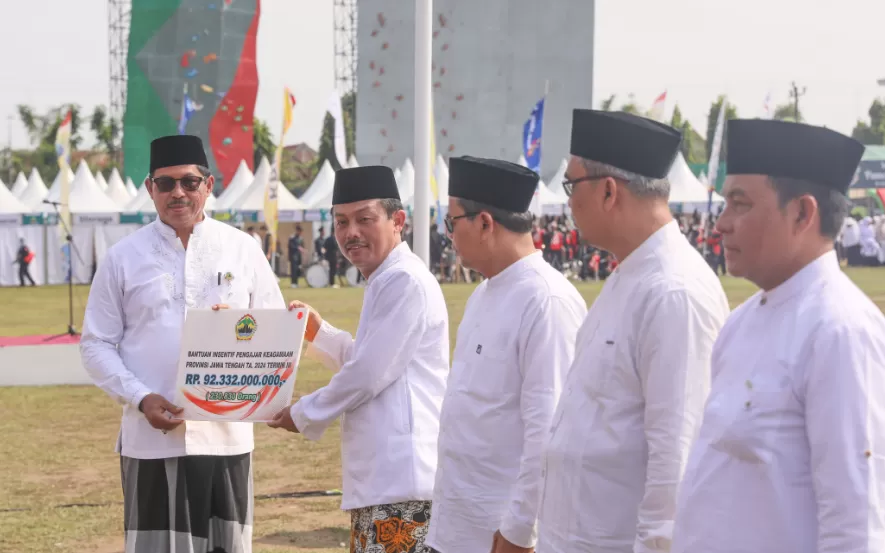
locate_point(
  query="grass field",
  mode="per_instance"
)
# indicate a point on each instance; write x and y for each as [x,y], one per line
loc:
[57,445]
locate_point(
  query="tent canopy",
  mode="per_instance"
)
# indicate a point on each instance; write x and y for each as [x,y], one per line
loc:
[320,189]
[253,198]
[20,185]
[35,192]
[9,203]
[685,188]
[85,195]
[116,190]
[237,186]
[405,182]
[130,187]
[101,182]
[55,189]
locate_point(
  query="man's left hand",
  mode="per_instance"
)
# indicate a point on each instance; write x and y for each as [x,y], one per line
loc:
[283,419]
[501,545]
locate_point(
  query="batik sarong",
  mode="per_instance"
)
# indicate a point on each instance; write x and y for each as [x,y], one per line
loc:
[395,528]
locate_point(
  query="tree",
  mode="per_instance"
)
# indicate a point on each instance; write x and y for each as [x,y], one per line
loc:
[42,130]
[787,112]
[712,120]
[693,146]
[327,143]
[264,144]
[872,133]
[608,103]
[107,131]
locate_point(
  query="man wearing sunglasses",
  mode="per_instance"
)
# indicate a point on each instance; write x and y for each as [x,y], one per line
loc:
[514,346]
[632,403]
[186,485]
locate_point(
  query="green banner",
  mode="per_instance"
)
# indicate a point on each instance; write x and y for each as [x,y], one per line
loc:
[33,219]
[137,218]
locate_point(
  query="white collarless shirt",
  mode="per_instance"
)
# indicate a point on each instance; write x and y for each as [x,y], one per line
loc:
[791,453]
[388,387]
[135,315]
[515,344]
[632,402]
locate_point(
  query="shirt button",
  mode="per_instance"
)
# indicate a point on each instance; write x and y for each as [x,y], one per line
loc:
[763,301]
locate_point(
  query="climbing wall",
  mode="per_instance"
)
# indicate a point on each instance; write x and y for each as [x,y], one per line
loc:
[206,49]
[491,60]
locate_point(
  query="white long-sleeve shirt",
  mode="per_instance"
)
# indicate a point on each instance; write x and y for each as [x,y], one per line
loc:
[632,403]
[515,344]
[388,387]
[135,315]
[791,453]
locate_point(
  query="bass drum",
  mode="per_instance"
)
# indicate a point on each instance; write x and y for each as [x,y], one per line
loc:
[352,276]
[317,276]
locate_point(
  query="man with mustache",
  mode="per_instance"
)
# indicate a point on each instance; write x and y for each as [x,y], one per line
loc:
[186,485]
[515,344]
[791,452]
[389,380]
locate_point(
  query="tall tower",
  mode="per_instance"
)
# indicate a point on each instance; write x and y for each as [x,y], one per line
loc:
[119,19]
[345,22]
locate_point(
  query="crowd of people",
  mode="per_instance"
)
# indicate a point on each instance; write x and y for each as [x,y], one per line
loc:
[656,420]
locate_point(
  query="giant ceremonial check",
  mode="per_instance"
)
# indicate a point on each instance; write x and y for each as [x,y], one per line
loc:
[238,365]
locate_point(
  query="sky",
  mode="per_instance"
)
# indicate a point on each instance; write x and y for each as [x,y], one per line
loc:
[692,49]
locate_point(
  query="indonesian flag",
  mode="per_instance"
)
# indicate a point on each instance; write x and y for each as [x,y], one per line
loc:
[657,108]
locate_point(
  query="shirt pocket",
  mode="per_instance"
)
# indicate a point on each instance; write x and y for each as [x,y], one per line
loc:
[750,416]
[488,370]
[233,292]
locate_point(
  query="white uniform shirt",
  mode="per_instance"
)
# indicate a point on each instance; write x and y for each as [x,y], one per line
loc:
[850,234]
[389,385]
[632,402]
[791,453]
[134,318]
[515,345]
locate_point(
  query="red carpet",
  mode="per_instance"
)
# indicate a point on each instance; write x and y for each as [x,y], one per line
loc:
[6,341]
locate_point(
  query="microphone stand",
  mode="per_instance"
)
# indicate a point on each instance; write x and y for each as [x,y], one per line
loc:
[71,249]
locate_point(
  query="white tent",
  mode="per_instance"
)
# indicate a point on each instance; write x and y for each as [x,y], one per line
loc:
[441,172]
[12,232]
[55,189]
[130,187]
[116,190]
[35,192]
[142,202]
[405,182]
[685,188]
[253,198]
[555,185]
[95,226]
[546,201]
[20,185]
[9,203]
[238,185]
[211,202]
[99,180]
[352,162]
[320,189]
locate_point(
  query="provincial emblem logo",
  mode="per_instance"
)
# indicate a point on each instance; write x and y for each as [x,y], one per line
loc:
[246,327]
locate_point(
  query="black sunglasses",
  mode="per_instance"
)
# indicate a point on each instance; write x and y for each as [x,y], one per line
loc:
[189,183]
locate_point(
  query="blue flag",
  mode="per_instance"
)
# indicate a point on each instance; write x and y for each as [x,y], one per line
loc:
[188,107]
[531,137]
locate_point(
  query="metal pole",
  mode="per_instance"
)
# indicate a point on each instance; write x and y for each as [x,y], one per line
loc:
[423,58]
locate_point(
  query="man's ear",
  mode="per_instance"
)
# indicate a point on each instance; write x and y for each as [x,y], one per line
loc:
[399,220]
[805,212]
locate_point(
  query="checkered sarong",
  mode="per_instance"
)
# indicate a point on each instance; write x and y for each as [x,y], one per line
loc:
[194,504]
